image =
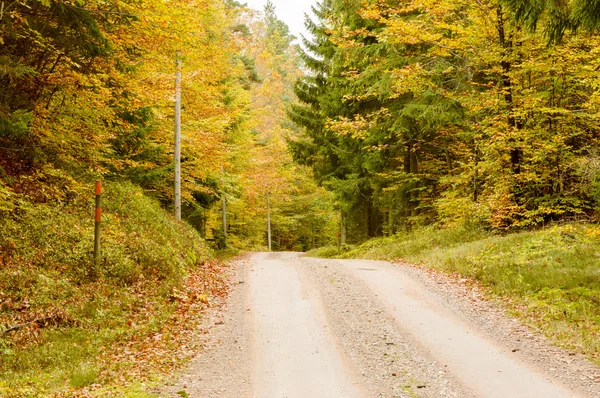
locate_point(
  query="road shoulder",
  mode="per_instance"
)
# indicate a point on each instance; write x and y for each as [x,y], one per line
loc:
[223,368]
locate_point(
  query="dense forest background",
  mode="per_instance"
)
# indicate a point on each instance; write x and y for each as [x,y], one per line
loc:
[452,112]
[407,113]
[87,92]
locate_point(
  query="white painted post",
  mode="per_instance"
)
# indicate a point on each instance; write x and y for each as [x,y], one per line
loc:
[178,138]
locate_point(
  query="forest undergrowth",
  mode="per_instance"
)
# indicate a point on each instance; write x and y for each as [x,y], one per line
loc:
[65,333]
[546,277]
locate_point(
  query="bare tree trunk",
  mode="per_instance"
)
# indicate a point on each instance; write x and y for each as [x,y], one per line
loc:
[343,229]
[513,122]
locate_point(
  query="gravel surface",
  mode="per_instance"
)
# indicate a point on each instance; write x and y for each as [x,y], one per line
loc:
[225,366]
[304,327]
[391,363]
[491,318]
[296,354]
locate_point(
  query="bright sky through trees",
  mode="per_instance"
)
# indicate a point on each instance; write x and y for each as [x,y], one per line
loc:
[290,11]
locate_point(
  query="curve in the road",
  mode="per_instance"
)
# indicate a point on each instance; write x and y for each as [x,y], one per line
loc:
[477,362]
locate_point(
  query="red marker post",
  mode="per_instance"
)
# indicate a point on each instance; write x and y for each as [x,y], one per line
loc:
[97,229]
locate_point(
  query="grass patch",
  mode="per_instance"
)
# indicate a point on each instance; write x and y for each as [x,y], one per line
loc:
[324,252]
[227,254]
[85,375]
[64,329]
[551,276]
[409,245]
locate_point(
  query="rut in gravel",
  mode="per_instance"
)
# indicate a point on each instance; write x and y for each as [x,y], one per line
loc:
[302,327]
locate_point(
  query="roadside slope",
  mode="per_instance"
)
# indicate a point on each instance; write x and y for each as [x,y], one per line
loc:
[64,329]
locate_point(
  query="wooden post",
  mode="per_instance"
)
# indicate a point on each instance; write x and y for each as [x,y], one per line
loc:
[268,222]
[96,270]
[178,138]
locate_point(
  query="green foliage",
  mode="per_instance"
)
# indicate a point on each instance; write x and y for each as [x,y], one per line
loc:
[558,17]
[6,204]
[84,376]
[46,256]
[409,244]
[277,30]
[45,48]
[330,251]
[51,238]
[339,162]
[302,214]
[430,112]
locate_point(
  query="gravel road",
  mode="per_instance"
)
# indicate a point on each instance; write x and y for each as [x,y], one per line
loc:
[303,327]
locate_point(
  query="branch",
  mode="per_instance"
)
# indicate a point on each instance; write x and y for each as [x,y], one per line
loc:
[21,326]
[107,12]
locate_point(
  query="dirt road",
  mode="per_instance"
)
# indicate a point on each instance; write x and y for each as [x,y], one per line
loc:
[302,327]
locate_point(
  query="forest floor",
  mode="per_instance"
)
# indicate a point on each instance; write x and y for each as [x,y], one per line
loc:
[296,326]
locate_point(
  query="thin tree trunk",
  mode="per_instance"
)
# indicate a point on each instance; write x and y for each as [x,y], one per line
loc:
[513,122]
[343,229]
[475,171]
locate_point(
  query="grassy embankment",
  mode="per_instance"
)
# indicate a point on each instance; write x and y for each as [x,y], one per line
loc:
[551,277]
[65,333]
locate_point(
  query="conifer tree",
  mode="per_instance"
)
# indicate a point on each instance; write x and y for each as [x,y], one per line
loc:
[558,17]
[338,161]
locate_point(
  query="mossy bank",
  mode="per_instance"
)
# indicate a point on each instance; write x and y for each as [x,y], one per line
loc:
[64,329]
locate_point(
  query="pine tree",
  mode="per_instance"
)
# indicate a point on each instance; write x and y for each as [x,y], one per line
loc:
[338,161]
[558,17]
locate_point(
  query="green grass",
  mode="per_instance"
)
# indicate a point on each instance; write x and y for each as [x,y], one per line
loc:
[45,272]
[228,253]
[324,252]
[551,276]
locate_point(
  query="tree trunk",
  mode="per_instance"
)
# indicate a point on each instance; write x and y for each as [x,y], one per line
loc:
[385,215]
[449,161]
[475,171]
[367,218]
[513,122]
[414,196]
[407,159]
[414,162]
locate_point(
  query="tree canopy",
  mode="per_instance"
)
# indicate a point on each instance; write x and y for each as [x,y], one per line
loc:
[451,111]
[87,92]
[413,113]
